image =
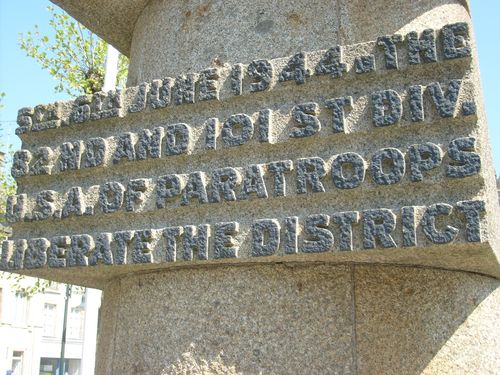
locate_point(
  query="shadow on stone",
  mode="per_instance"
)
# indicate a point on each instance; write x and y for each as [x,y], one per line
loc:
[424,321]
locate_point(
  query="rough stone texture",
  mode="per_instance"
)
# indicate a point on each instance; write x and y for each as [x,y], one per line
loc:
[274,319]
[316,319]
[208,33]
[311,307]
[422,321]
[296,109]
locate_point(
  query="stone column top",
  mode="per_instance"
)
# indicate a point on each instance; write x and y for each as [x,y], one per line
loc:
[112,20]
[115,20]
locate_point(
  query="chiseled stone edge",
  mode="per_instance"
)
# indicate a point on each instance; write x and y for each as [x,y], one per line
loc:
[451,42]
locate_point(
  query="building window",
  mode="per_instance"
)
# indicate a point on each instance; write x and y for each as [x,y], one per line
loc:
[19,309]
[49,319]
[49,366]
[75,324]
[54,287]
[17,362]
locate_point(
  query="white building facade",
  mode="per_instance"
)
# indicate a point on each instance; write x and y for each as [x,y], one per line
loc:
[31,331]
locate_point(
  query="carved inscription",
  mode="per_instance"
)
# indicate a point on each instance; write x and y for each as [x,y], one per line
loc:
[288,180]
[429,46]
[281,178]
[387,108]
[320,233]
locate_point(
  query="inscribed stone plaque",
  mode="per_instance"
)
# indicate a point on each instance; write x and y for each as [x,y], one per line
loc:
[368,152]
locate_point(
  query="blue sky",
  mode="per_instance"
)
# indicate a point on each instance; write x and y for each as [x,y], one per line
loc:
[26,84]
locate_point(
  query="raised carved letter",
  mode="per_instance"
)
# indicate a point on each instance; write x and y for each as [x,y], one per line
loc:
[134,196]
[81,110]
[196,239]
[320,238]
[143,251]
[237,79]
[338,105]
[209,84]
[24,120]
[35,255]
[409,226]
[149,144]
[75,203]
[456,41]
[106,105]
[387,108]
[95,152]
[364,64]
[472,212]
[265,237]
[265,122]
[331,63]
[43,161]
[139,101]
[423,158]
[21,163]
[421,49]
[45,206]
[102,250]
[291,234]
[306,116]
[111,196]
[429,224]
[122,240]
[225,245]
[309,172]
[445,104]
[397,168]
[224,181]
[378,224]
[196,187]
[178,139]
[159,93]
[388,43]
[253,182]
[81,246]
[261,73]
[57,252]
[416,100]
[461,150]
[278,169]
[211,133]
[345,220]
[167,187]
[184,89]
[70,155]
[15,208]
[357,169]
[238,121]
[125,147]
[171,234]
[296,69]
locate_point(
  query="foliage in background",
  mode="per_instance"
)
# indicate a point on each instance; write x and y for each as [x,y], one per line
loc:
[26,287]
[74,56]
[7,187]
[7,183]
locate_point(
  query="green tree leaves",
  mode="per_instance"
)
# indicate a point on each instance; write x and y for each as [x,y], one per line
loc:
[73,55]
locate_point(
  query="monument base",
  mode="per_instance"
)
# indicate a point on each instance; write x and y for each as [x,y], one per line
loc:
[297,319]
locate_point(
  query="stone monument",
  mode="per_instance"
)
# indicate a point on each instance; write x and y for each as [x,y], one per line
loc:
[306,186]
